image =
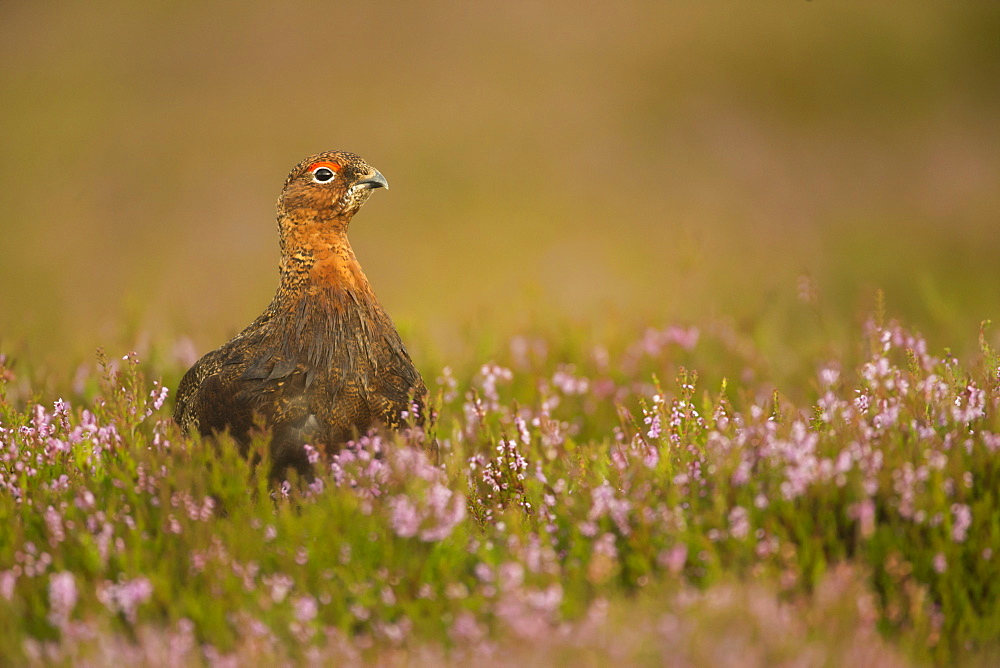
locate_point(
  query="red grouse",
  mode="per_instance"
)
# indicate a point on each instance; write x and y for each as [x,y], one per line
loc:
[324,362]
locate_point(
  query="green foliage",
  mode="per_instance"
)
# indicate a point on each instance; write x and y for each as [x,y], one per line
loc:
[568,487]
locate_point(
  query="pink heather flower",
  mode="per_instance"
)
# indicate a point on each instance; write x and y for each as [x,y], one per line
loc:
[182,642]
[491,374]
[61,409]
[158,396]
[961,521]
[605,502]
[605,546]
[394,632]
[940,563]
[974,404]
[673,559]
[866,517]
[280,584]
[739,523]
[828,376]
[125,597]
[360,612]
[685,338]
[42,422]
[483,572]
[404,516]
[62,598]
[905,482]
[766,546]
[449,383]
[54,525]
[511,575]
[207,509]
[553,431]
[568,382]
[60,484]
[651,457]
[799,451]
[413,463]
[316,487]
[655,428]
[466,630]
[447,508]
[546,600]
[305,608]
[741,475]
[312,454]
[517,614]
[522,430]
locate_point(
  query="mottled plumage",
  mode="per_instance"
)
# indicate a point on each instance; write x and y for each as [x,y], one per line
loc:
[324,362]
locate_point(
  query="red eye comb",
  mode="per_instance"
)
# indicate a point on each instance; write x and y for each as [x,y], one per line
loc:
[329,165]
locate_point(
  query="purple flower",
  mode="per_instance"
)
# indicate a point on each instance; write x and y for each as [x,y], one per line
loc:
[465,629]
[126,596]
[969,405]
[449,383]
[62,598]
[158,397]
[961,521]
[606,502]
[54,525]
[280,584]
[305,608]
[490,375]
[739,523]
[865,512]
[655,428]
[404,516]
[673,559]
[940,563]
[566,380]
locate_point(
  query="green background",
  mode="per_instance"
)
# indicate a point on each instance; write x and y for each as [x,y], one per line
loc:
[599,162]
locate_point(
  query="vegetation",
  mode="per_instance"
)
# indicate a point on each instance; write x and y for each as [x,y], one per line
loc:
[585,501]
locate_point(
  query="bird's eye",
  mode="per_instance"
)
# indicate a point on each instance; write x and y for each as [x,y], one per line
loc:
[323,175]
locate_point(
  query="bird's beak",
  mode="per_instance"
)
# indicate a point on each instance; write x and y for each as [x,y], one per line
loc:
[376,180]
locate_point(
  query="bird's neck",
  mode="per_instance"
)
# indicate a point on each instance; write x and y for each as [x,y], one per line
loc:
[317,260]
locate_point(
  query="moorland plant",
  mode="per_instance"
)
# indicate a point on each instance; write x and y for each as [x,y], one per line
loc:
[587,500]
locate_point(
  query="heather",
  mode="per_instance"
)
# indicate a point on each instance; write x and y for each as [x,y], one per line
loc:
[649,498]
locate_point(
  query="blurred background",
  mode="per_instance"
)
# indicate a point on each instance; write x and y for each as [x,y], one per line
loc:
[586,161]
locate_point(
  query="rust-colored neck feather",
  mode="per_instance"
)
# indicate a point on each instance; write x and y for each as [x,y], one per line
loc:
[317,259]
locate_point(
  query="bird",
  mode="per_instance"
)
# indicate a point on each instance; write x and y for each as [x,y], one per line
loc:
[324,363]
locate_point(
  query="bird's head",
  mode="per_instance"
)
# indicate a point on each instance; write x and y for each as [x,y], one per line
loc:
[329,185]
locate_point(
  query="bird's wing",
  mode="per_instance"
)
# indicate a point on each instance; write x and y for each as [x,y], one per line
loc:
[397,383]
